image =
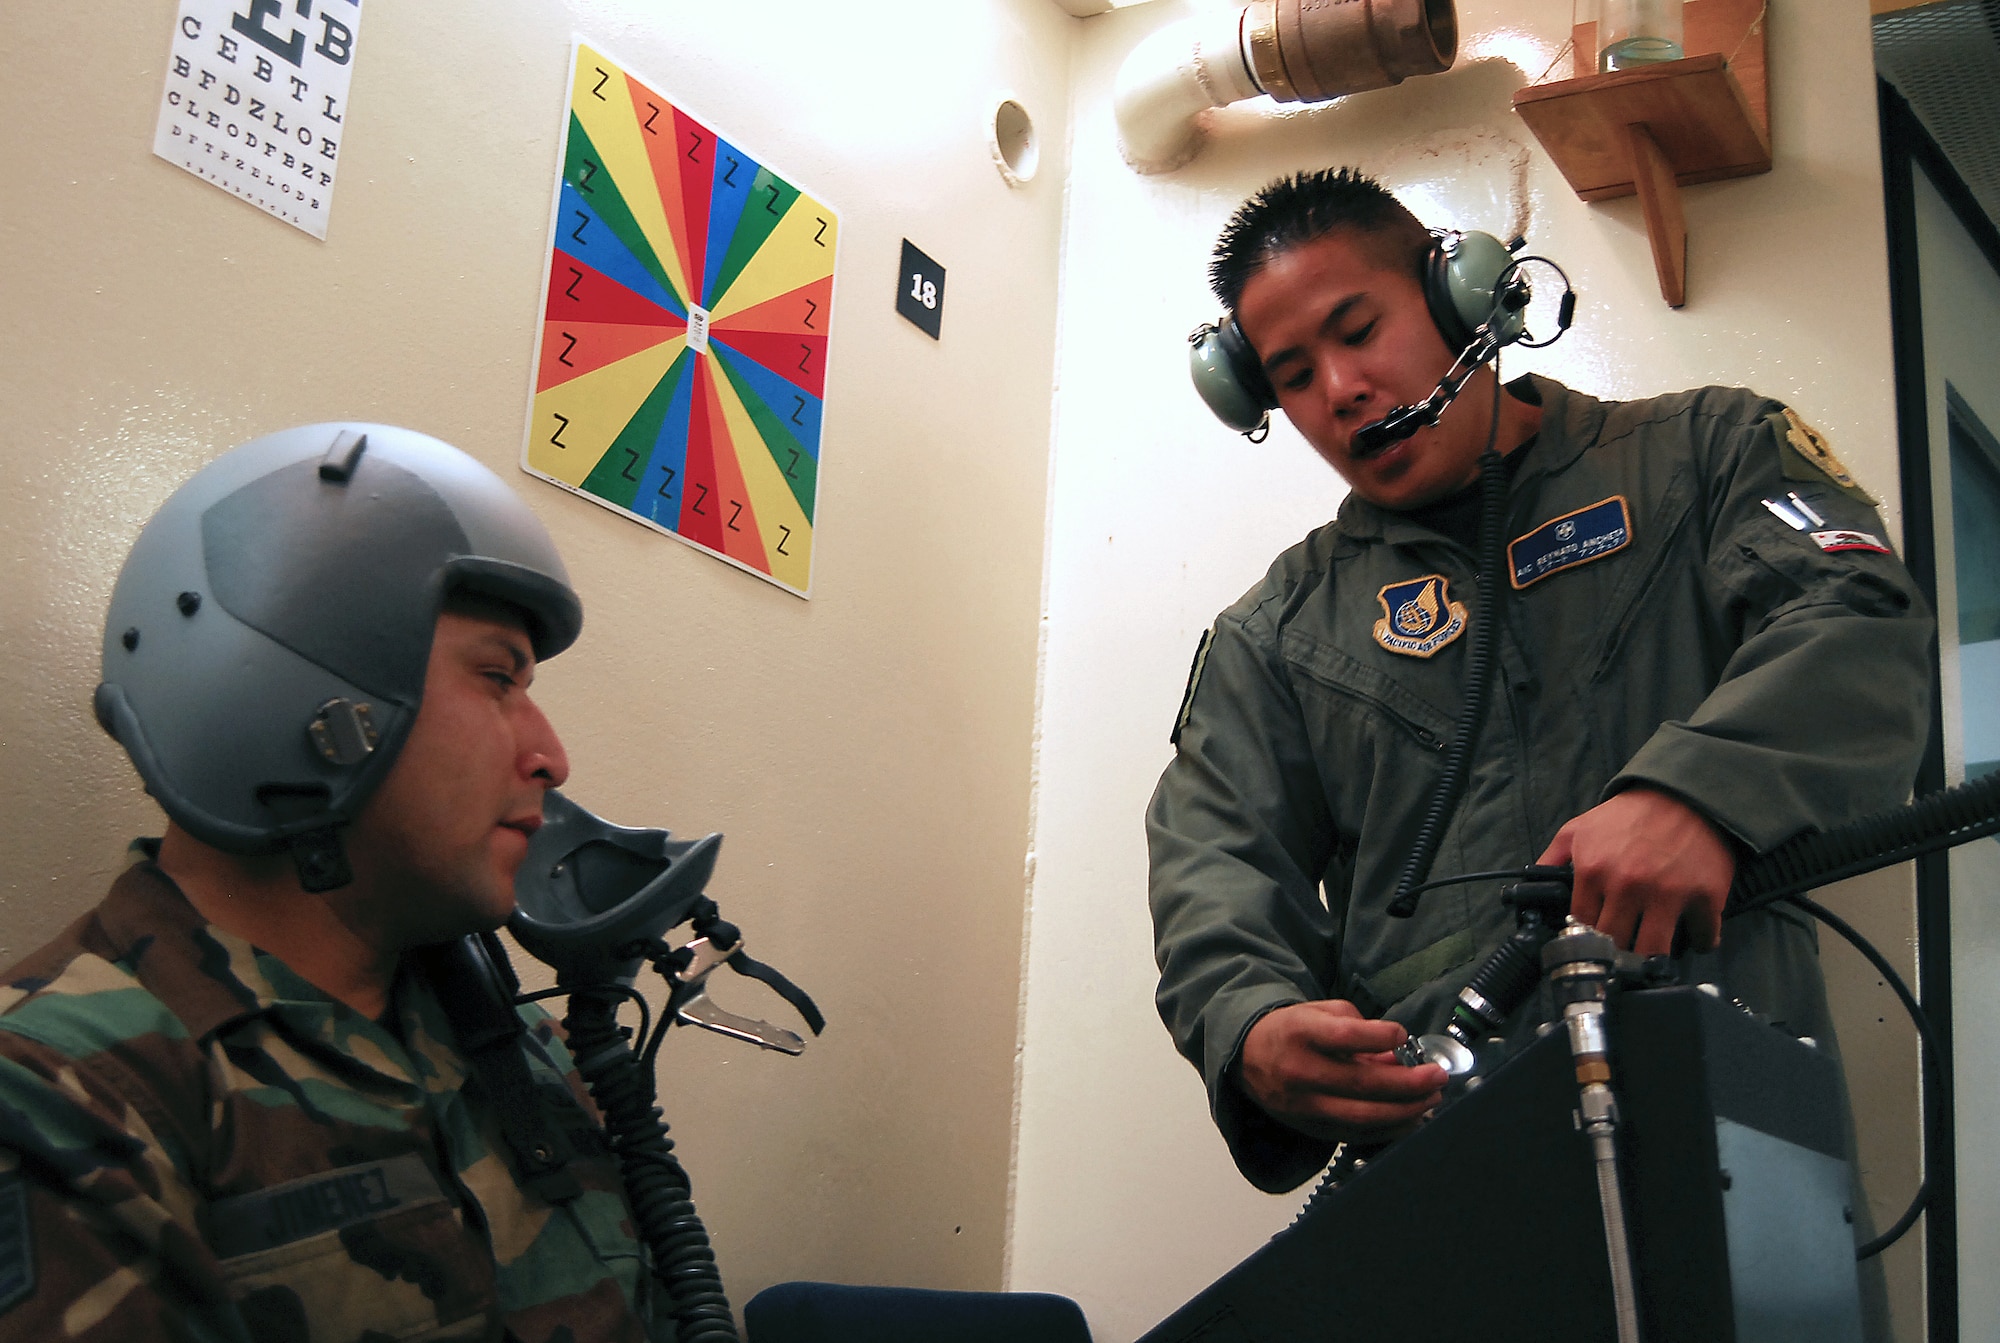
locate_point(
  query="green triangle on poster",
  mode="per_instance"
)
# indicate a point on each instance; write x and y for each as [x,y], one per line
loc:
[760,215]
[583,168]
[797,465]
[618,472]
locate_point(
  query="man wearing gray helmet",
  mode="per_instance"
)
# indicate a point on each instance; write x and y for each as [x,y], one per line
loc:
[229,1107]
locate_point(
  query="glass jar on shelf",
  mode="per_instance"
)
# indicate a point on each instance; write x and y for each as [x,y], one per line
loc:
[1637,32]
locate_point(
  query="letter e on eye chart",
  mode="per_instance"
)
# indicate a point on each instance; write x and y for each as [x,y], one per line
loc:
[256,100]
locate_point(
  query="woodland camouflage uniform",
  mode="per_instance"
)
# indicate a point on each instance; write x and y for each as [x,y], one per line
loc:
[199,1145]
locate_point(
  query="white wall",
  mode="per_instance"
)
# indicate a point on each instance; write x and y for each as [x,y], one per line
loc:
[1124,1195]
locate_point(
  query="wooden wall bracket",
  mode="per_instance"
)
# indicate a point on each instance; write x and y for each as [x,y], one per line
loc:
[1656,128]
[1660,202]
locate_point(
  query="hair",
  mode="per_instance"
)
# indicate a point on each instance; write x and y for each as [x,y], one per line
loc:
[1297,209]
[460,600]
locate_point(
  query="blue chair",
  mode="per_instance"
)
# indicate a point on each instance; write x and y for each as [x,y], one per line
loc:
[829,1312]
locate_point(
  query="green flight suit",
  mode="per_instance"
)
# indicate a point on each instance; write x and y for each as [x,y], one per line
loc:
[1777,682]
[197,1144]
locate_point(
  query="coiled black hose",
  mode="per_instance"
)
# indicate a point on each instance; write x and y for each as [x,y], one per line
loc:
[655,1183]
[1935,821]
[1478,677]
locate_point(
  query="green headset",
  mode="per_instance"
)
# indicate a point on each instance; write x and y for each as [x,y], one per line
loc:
[1471,284]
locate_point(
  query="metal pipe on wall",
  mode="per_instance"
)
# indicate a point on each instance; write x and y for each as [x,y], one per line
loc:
[1297,51]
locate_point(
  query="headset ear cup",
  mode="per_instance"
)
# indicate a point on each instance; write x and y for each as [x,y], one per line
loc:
[1245,364]
[1218,365]
[1438,296]
[1461,273]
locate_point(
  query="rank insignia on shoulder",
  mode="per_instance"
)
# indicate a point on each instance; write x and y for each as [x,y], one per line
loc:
[1846,540]
[1193,683]
[1587,534]
[1418,616]
[1804,454]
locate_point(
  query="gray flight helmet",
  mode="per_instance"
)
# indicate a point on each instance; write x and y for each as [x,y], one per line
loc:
[265,648]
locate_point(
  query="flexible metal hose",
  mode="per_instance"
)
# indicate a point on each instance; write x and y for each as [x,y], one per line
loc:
[1617,1241]
[657,1187]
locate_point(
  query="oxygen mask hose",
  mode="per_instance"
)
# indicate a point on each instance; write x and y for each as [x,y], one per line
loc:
[662,1204]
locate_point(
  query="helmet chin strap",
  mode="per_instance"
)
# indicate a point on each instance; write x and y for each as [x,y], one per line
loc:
[309,836]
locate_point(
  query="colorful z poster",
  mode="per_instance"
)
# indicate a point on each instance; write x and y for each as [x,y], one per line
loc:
[682,360]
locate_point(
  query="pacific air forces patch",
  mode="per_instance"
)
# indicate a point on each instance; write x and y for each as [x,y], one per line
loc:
[1418,616]
[1806,455]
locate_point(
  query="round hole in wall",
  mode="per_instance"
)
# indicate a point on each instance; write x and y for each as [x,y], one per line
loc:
[1016,152]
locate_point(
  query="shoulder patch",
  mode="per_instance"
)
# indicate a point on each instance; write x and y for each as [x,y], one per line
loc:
[1418,616]
[1805,455]
[17,1244]
[1587,534]
[1193,681]
[1842,539]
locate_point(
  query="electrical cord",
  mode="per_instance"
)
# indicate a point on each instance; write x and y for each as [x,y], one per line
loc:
[1933,1058]
[1939,820]
[1565,311]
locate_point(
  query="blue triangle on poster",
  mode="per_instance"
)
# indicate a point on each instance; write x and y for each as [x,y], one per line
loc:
[584,235]
[797,408]
[735,174]
[660,484]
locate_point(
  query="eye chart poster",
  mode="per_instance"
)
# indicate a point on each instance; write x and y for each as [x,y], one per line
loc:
[682,359]
[256,100]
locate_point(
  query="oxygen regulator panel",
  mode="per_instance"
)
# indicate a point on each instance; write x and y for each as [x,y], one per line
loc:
[1485,1223]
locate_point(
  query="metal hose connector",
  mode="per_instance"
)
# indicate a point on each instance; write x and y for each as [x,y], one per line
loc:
[1307,51]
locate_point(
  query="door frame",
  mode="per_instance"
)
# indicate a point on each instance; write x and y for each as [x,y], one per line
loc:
[1907,146]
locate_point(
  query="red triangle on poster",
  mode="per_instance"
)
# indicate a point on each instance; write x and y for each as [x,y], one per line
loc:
[572,349]
[579,293]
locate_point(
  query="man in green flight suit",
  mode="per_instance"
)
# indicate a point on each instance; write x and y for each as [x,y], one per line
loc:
[1705,647]
[229,1107]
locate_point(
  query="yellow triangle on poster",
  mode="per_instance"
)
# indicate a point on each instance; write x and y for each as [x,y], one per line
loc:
[601,98]
[575,422]
[799,251]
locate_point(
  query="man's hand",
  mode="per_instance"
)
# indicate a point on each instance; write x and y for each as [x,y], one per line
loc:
[1645,864]
[1326,1071]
